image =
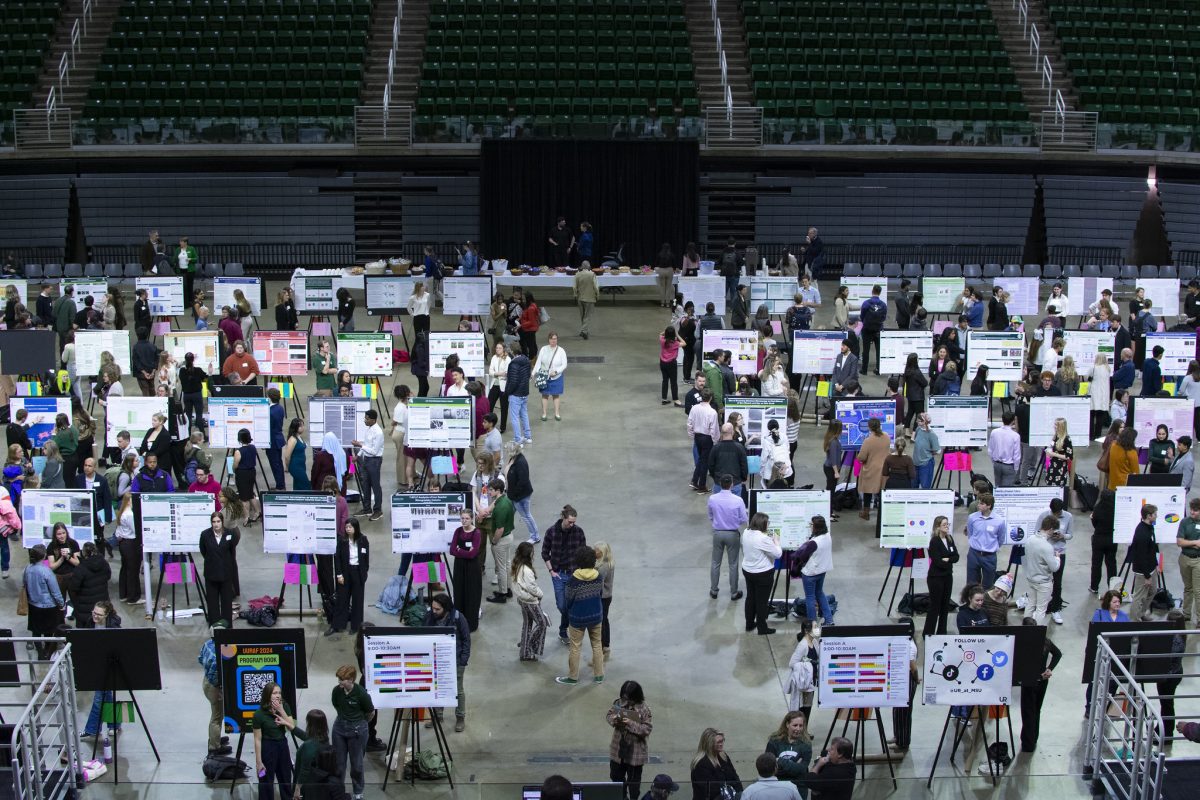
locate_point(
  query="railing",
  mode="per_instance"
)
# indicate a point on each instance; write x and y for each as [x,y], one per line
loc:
[1029,31]
[725,90]
[943,134]
[468,130]
[67,62]
[387,124]
[733,126]
[1048,79]
[48,128]
[203,131]
[387,90]
[45,732]
[1068,130]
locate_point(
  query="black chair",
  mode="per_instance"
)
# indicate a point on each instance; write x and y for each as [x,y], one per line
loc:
[73,270]
[235,270]
[93,271]
[34,272]
[53,271]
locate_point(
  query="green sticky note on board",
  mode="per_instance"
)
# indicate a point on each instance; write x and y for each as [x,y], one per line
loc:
[1169,388]
[823,388]
[999,389]
[1084,387]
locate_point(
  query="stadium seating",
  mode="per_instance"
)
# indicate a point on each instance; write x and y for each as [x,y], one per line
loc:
[179,61]
[883,60]
[560,63]
[26,27]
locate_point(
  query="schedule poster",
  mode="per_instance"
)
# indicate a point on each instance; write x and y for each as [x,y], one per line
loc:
[365,353]
[1077,411]
[171,523]
[777,294]
[968,670]
[41,509]
[97,288]
[469,296]
[702,290]
[854,416]
[895,347]
[942,294]
[1150,412]
[791,512]
[42,413]
[1022,295]
[1084,346]
[439,423]
[165,295]
[906,516]
[247,669]
[345,417]
[471,349]
[90,344]
[131,414]
[1002,351]
[228,415]
[815,352]
[1163,293]
[281,352]
[201,344]
[1020,507]
[959,421]
[388,294]
[743,345]
[1082,292]
[416,668]
[1171,502]
[861,289]
[316,294]
[425,523]
[756,413]
[1179,349]
[863,671]
[304,523]
[223,289]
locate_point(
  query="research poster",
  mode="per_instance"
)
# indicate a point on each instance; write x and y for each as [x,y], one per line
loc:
[165,295]
[247,669]
[42,509]
[854,416]
[304,523]
[21,287]
[702,290]
[777,294]
[1163,293]
[895,347]
[171,523]
[815,352]
[418,670]
[968,670]
[89,345]
[388,294]
[861,289]
[439,423]
[281,352]
[96,288]
[1020,507]
[755,413]
[42,413]
[743,345]
[906,516]
[960,421]
[791,512]
[468,296]
[1179,349]
[863,671]
[1002,351]
[133,414]
[1022,295]
[471,349]
[1077,411]
[425,523]
[941,295]
[1082,292]
[228,415]
[201,344]
[1084,346]
[1171,502]
[344,417]
[223,289]
[316,294]
[1147,413]
[365,353]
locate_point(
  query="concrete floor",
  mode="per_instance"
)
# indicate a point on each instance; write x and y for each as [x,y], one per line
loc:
[623,461]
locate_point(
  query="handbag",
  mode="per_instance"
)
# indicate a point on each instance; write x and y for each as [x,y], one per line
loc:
[1102,464]
[543,315]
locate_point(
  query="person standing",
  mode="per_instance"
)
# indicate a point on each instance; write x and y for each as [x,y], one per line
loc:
[1059,539]
[465,546]
[129,587]
[1123,458]
[443,614]
[100,617]
[1004,448]
[727,514]
[606,565]
[520,488]
[562,541]
[351,563]
[272,721]
[46,603]
[628,750]
[586,296]
[561,240]
[872,453]
[943,555]
[1040,564]
[1143,559]
[516,388]
[534,622]
[497,377]
[277,441]
[926,448]
[351,725]
[528,324]
[1104,550]
[664,275]
[1184,464]
[713,775]
[1033,694]
[64,311]
[873,315]
[503,518]
[814,254]
[1152,372]
[324,365]
[551,362]
[759,551]
[1162,450]
[703,428]
[370,457]
[983,540]
[286,318]
[210,683]
[669,343]
[345,311]
[819,563]
[293,456]
[585,615]
[88,584]
[1188,540]
[218,546]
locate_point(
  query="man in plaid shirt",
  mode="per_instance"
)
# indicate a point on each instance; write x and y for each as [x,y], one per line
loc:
[559,544]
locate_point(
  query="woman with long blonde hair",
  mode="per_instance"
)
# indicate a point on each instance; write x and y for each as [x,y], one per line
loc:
[1059,458]
[713,775]
[1067,377]
[606,566]
[791,744]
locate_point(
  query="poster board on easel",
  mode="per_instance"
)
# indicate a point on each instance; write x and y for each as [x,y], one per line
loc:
[411,667]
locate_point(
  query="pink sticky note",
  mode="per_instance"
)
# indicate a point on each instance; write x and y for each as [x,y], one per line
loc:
[291,573]
[172,572]
[394,327]
[322,329]
[420,572]
[958,462]
[776,326]
[160,328]
[940,326]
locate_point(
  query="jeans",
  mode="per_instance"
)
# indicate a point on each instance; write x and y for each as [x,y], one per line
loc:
[518,417]
[5,556]
[670,378]
[350,739]
[925,474]
[560,601]
[93,721]
[729,545]
[731,284]
[522,507]
[275,459]
[981,568]
[371,483]
[814,597]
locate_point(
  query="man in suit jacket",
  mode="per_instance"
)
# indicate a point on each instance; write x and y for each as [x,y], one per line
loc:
[845,368]
[102,504]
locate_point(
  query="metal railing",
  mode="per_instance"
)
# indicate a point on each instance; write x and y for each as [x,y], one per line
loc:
[388,124]
[387,89]
[48,128]
[67,62]
[721,60]
[733,126]
[1068,130]
[1041,61]
[45,735]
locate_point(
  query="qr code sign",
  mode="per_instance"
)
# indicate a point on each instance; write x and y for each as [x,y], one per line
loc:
[253,684]
[930,697]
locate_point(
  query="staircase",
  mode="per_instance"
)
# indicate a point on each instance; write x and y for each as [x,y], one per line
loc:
[1028,67]
[706,60]
[378,218]
[83,70]
[410,53]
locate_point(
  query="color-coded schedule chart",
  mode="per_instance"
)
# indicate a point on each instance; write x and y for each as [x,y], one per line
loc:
[411,670]
[864,672]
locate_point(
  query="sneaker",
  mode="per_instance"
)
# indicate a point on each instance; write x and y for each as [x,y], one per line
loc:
[496,598]
[737,595]
[358,797]
[222,750]
[4,574]
[564,641]
[375,517]
[598,679]
[366,512]
[1022,601]
[1057,617]
[534,539]
[563,679]
[331,632]
[495,581]
[713,594]
[376,745]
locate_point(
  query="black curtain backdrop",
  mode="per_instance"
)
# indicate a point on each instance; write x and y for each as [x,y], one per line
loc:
[639,194]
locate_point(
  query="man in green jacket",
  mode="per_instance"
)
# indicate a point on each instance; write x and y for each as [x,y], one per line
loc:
[586,295]
[188,262]
[64,314]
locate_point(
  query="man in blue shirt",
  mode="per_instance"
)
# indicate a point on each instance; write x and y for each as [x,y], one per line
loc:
[873,315]
[983,535]
[1152,373]
[1125,373]
[275,451]
[218,745]
[727,513]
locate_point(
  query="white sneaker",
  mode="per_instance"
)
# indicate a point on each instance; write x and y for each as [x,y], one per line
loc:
[495,582]
[1057,617]
[1022,601]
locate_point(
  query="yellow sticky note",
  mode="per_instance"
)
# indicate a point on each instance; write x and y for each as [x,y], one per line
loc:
[1084,387]
[204,388]
[823,388]
[999,389]
[1169,388]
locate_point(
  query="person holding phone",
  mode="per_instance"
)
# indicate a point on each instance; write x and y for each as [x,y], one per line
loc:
[273,761]
[631,722]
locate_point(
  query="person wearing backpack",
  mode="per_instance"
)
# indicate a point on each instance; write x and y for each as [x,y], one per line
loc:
[730,270]
[442,614]
[873,315]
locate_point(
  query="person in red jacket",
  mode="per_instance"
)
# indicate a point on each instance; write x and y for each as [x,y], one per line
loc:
[528,324]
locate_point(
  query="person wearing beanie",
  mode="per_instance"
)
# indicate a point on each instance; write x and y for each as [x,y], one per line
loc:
[995,600]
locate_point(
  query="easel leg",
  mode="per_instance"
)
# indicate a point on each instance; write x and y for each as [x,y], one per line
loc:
[238,757]
[391,747]
[439,734]
[158,591]
[886,578]
[993,769]
[896,587]
[199,586]
[938,754]
[886,752]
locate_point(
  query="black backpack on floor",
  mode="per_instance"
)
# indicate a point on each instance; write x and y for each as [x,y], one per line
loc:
[224,768]
[1087,492]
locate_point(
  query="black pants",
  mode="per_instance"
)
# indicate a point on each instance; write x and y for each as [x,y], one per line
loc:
[528,343]
[1106,554]
[189,277]
[1166,703]
[468,589]
[219,595]
[1032,698]
[193,407]
[1056,601]
[758,593]
[902,717]
[496,396]
[867,338]
[689,360]
[670,377]
[604,627]
[129,579]
[277,762]
[1100,423]
[704,445]
[915,407]
[421,323]
[422,386]
[830,479]
[70,468]
[939,603]
[629,775]
[350,600]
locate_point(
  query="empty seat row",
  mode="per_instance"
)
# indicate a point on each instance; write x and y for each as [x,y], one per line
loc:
[1123,274]
[116,272]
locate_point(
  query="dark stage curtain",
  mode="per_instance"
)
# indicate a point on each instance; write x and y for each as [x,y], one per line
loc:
[640,194]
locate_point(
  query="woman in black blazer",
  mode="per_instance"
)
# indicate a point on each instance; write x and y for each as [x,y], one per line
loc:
[218,545]
[286,318]
[350,565]
[158,441]
[943,555]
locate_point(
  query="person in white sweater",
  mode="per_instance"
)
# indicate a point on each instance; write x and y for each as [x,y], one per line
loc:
[552,360]
[534,622]
[814,571]
[774,450]
[1040,564]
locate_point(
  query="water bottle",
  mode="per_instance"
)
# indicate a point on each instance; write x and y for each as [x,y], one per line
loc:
[107,750]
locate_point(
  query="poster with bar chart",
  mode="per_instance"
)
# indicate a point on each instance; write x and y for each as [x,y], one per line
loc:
[411,667]
[863,671]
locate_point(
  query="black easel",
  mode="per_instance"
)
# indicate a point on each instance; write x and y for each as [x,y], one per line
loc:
[807,385]
[411,717]
[388,318]
[911,554]
[410,595]
[373,380]
[949,474]
[112,670]
[227,474]
[860,737]
[309,560]
[787,586]
[286,380]
[959,734]
[185,561]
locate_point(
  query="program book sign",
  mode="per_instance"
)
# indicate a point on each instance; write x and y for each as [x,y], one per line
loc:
[365,353]
[743,345]
[299,522]
[439,423]
[791,512]
[425,523]
[1002,351]
[171,523]
[863,671]
[906,516]
[247,669]
[968,670]
[960,421]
